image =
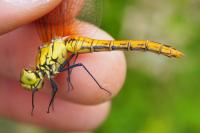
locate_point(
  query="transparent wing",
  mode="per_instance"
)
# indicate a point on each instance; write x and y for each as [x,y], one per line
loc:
[69,16]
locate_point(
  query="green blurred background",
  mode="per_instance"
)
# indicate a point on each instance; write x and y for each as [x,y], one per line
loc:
[160,95]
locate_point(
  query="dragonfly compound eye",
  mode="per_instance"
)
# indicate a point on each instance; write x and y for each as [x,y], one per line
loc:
[29,79]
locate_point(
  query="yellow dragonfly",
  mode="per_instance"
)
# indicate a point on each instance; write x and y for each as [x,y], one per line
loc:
[59,39]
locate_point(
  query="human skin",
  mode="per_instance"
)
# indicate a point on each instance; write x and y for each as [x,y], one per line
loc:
[82,109]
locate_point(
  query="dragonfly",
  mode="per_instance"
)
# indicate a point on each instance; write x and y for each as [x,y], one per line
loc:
[61,44]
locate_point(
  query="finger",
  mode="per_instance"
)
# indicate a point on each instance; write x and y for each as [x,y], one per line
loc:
[108,68]
[15,104]
[19,12]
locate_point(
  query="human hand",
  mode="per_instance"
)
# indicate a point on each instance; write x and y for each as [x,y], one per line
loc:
[82,109]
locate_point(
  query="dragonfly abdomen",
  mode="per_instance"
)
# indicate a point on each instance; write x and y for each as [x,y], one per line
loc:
[77,44]
[155,47]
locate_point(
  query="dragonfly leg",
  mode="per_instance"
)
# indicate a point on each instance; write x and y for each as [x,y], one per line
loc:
[62,66]
[81,65]
[66,64]
[33,96]
[70,85]
[54,91]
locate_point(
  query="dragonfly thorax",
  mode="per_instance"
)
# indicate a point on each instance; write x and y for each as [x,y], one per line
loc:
[51,56]
[48,61]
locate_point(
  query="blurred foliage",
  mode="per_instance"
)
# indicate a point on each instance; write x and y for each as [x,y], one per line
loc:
[160,95]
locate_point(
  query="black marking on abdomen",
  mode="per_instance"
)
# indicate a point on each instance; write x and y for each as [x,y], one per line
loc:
[119,48]
[100,47]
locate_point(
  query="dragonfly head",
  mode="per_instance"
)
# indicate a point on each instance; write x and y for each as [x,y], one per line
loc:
[30,79]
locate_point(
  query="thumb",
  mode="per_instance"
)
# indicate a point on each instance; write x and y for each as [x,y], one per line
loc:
[14,13]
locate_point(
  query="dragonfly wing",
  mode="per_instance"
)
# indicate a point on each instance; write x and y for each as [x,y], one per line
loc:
[69,17]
